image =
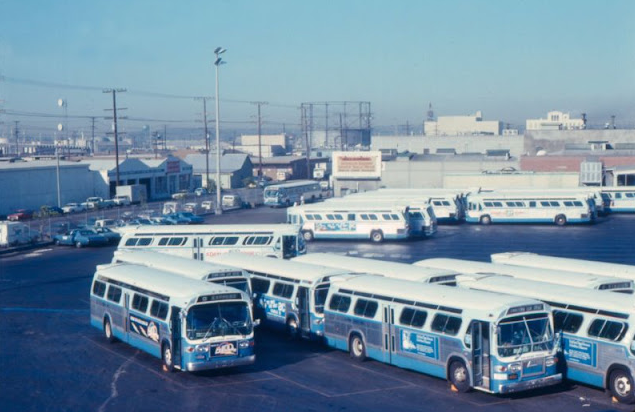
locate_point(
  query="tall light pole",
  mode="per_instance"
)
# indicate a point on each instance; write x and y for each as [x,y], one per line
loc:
[57,156]
[217,63]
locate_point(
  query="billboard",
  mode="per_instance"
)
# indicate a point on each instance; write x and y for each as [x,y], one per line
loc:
[359,165]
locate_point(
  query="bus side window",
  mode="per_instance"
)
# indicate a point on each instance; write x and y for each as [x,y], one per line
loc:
[340,303]
[114,293]
[284,290]
[159,309]
[351,216]
[99,289]
[139,303]
[365,308]
[259,285]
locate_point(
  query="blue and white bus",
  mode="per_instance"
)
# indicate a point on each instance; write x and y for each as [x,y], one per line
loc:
[421,217]
[446,203]
[201,242]
[195,269]
[380,267]
[534,260]
[620,199]
[289,193]
[486,208]
[189,324]
[490,342]
[597,329]
[340,221]
[559,277]
[287,295]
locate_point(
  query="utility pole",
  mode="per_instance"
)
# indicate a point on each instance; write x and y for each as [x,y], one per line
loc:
[341,134]
[114,110]
[16,131]
[92,133]
[259,104]
[204,99]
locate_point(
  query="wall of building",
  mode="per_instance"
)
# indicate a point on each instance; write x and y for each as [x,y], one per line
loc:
[510,181]
[462,125]
[31,187]
[462,144]
[555,140]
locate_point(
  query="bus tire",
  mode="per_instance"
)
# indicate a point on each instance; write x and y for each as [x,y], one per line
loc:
[376,236]
[561,220]
[293,330]
[166,357]
[307,235]
[357,348]
[110,337]
[486,220]
[459,376]
[78,245]
[621,386]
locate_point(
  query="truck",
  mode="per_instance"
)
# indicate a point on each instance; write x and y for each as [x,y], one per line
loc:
[136,193]
[16,233]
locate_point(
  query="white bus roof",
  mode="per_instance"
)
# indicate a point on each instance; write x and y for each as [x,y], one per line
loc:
[395,201]
[180,290]
[570,265]
[528,195]
[349,207]
[295,270]
[291,184]
[379,267]
[617,188]
[481,305]
[582,280]
[195,269]
[210,229]
[558,296]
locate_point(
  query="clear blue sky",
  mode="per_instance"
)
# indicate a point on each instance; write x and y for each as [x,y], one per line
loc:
[511,59]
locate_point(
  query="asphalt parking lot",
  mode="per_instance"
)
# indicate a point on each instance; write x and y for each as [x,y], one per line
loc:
[53,360]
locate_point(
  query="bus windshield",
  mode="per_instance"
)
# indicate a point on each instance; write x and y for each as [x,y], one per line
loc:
[237,283]
[271,192]
[320,297]
[523,334]
[218,319]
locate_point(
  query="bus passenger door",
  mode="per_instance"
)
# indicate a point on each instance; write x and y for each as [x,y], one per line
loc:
[126,314]
[388,333]
[175,338]
[197,249]
[477,353]
[303,310]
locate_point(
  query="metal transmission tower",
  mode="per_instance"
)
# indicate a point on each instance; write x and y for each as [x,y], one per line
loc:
[114,117]
[16,131]
[259,104]
[204,99]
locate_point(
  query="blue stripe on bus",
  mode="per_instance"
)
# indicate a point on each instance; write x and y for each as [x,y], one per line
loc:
[45,310]
[537,220]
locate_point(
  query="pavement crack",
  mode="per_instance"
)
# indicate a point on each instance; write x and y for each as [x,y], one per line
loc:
[113,385]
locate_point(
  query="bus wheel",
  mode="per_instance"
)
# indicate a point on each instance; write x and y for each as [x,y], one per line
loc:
[377,236]
[356,348]
[292,328]
[307,235]
[621,386]
[166,357]
[108,331]
[561,220]
[459,376]
[486,220]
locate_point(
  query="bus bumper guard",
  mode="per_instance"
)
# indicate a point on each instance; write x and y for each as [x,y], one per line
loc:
[218,364]
[532,384]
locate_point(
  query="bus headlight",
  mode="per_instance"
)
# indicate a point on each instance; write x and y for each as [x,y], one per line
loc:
[515,367]
[500,368]
[202,348]
[243,344]
[551,361]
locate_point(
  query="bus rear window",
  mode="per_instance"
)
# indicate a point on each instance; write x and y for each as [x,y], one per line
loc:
[114,294]
[159,309]
[340,303]
[99,288]
[448,325]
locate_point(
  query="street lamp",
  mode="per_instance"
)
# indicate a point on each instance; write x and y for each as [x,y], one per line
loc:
[57,156]
[218,62]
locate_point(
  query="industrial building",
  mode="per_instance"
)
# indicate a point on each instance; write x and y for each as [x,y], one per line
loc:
[462,125]
[235,169]
[30,185]
[514,144]
[556,121]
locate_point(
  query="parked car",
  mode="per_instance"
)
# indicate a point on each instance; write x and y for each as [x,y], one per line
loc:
[80,238]
[147,214]
[191,217]
[111,235]
[94,202]
[121,200]
[201,191]
[109,203]
[190,207]
[21,214]
[73,207]
[139,221]
[182,194]
[160,220]
[207,205]
[47,210]
[109,223]
[176,219]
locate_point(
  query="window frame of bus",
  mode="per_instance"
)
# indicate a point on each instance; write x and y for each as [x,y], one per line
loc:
[116,291]
[368,310]
[99,288]
[339,307]
[283,290]
[434,326]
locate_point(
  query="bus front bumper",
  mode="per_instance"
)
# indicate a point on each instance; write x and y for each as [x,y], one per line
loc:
[532,384]
[218,364]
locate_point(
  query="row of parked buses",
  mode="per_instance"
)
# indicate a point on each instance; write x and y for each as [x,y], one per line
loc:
[497,327]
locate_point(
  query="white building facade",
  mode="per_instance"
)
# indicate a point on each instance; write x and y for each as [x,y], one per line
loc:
[556,121]
[462,125]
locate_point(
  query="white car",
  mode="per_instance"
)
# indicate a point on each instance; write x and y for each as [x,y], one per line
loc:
[73,207]
[207,205]
[121,200]
[190,207]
